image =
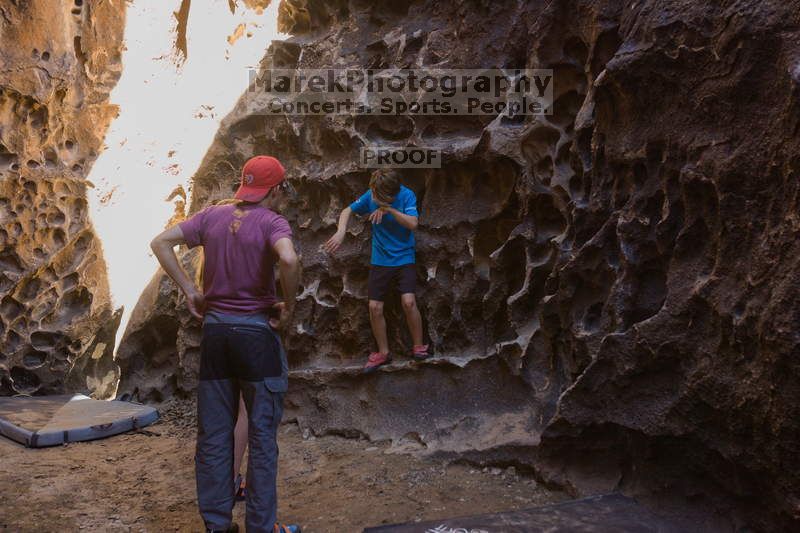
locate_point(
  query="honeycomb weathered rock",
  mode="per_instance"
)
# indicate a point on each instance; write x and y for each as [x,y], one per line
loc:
[612,290]
[58,64]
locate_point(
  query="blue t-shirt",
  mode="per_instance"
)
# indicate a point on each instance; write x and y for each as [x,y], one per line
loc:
[392,244]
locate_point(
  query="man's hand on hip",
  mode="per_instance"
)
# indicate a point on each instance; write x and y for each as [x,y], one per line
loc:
[196,303]
[284,317]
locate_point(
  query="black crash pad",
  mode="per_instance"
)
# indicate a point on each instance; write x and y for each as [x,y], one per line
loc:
[612,512]
[50,420]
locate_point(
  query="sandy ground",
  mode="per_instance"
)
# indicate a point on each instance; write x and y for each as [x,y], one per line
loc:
[145,482]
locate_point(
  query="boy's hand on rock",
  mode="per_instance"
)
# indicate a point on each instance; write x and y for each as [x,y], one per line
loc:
[334,242]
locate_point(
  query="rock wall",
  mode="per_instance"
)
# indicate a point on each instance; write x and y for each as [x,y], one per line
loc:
[58,63]
[611,291]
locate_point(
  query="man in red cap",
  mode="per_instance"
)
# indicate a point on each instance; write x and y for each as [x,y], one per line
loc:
[240,354]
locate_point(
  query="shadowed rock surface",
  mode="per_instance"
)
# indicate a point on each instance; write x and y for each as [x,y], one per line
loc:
[594,514]
[611,290]
[58,63]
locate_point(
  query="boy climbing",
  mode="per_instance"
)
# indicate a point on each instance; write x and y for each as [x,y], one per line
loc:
[392,210]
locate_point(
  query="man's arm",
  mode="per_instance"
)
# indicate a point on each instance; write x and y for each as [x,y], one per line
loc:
[334,242]
[162,246]
[289,267]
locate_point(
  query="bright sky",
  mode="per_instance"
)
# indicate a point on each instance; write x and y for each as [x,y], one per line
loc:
[165,108]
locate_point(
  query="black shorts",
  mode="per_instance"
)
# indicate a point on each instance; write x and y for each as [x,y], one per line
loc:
[381,279]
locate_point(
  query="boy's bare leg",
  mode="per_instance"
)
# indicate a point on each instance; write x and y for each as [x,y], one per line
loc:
[239,437]
[378,323]
[413,318]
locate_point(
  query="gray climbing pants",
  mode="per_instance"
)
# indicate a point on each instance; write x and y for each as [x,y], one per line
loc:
[239,356]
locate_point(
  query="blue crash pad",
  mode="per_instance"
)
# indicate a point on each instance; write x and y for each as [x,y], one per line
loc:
[39,421]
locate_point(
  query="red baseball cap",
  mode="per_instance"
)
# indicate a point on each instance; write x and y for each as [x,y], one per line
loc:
[259,175]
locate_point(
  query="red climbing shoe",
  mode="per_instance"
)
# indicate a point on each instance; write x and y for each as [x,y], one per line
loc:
[420,353]
[376,360]
[284,528]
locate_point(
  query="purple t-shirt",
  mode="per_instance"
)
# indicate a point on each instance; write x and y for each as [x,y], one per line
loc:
[238,271]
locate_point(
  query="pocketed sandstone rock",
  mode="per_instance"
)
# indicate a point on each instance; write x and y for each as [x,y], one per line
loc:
[611,290]
[59,62]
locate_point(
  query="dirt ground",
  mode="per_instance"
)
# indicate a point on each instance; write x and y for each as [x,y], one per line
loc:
[145,482]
